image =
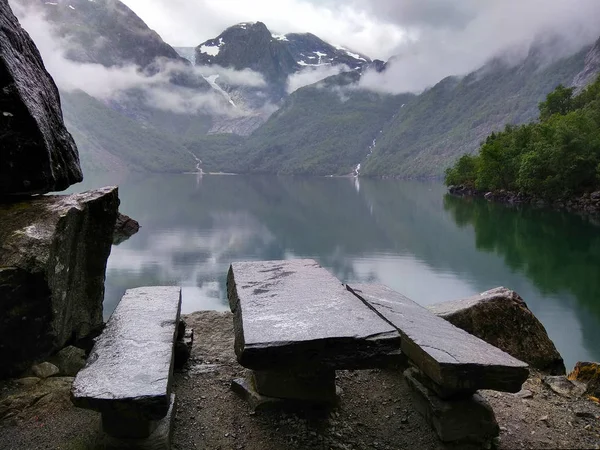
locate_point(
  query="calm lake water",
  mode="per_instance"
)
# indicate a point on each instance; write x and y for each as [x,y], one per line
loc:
[408,235]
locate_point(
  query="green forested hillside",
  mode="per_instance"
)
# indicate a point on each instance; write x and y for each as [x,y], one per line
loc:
[321,129]
[108,140]
[555,158]
[455,115]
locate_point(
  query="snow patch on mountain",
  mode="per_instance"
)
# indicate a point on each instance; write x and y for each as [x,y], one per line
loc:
[212,80]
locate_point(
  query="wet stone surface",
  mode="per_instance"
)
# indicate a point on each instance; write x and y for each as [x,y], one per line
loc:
[131,365]
[296,314]
[38,154]
[452,358]
[53,253]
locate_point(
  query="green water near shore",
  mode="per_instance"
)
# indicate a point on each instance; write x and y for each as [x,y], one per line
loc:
[408,235]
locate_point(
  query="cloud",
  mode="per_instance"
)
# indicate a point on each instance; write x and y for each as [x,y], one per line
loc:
[432,38]
[245,77]
[454,38]
[313,74]
[185,23]
[113,83]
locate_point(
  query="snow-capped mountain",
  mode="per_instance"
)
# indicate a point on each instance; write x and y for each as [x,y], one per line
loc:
[250,45]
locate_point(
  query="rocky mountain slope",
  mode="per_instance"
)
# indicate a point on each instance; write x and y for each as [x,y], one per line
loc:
[98,34]
[424,133]
[323,129]
[455,115]
[591,68]
[251,46]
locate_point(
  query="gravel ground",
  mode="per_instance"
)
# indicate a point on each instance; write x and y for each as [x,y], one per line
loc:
[375,411]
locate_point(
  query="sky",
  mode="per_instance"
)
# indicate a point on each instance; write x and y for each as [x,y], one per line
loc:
[433,38]
[428,39]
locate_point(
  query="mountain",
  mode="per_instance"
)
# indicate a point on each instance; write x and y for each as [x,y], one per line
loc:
[109,141]
[255,101]
[309,50]
[591,68]
[455,115]
[105,32]
[324,129]
[251,46]
[159,107]
[424,133]
[188,53]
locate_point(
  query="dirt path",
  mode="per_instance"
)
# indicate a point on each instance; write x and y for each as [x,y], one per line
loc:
[375,411]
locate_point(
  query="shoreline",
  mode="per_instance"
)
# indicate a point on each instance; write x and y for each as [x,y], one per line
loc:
[586,205]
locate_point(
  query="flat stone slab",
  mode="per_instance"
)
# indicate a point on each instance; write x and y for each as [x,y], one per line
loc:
[131,365]
[296,314]
[452,358]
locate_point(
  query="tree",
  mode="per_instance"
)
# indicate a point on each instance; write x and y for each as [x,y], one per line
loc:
[560,101]
[463,173]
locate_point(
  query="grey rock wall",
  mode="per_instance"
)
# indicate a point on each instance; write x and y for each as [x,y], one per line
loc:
[53,253]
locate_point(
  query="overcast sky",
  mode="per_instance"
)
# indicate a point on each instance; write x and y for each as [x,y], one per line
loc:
[431,39]
[378,28]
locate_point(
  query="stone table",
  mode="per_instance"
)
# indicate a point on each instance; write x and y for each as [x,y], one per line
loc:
[295,324]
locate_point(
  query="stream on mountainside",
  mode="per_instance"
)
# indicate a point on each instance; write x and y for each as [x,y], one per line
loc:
[408,235]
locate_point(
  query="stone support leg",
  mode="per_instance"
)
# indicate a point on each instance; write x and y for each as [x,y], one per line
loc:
[312,386]
[125,431]
[467,421]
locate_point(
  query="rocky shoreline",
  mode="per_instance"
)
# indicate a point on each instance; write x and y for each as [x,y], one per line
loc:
[375,410]
[587,204]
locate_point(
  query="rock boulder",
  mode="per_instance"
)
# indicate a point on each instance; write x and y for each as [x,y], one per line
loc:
[124,228]
[53,252]
[588,373]
[501,318]
[37,153]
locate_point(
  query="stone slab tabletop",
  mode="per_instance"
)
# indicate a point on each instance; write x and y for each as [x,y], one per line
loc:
[131,364]
[295,314]
[452,358]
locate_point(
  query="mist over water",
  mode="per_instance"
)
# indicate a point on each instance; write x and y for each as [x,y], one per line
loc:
[408,235]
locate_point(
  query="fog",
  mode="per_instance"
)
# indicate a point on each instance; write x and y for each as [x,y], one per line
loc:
[111,83]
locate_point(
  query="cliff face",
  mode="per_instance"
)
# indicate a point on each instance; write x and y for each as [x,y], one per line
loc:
[37,153]
[53,249]
[590,70]
[249,46]
[53,253]
[105,32]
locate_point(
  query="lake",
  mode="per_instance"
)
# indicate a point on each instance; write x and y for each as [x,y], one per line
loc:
[408,235]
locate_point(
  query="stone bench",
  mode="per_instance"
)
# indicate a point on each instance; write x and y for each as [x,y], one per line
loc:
[128,375]
[451,365]
[295,324]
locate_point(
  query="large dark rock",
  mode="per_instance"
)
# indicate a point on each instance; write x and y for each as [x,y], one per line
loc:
[501,318]
[37,153]
[130,369]
[295,314]
[53,252]
[457,362]
[124,228]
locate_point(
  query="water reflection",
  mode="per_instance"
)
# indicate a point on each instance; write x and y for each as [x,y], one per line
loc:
[406,235]
[557,251]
